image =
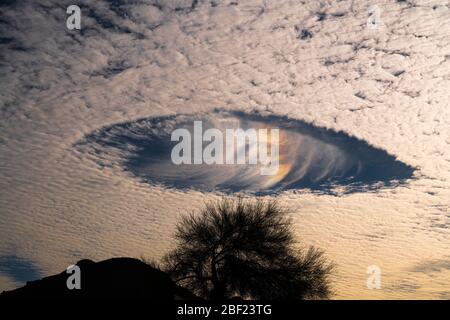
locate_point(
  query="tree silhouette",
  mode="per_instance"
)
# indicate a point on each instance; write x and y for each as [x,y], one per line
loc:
[246,248]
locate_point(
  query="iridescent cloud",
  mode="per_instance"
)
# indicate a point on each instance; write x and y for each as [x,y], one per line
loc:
[311,157]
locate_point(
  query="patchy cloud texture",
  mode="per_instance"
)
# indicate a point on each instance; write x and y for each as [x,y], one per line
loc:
[315,61]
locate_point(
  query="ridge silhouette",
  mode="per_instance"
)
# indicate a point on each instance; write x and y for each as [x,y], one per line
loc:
[116,278]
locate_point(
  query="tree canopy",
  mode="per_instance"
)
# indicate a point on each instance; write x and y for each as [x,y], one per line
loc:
[246,248]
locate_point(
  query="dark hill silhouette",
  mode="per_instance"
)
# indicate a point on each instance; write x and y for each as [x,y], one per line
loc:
[117,278]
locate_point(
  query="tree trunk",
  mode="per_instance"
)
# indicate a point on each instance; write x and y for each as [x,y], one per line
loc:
[218,291]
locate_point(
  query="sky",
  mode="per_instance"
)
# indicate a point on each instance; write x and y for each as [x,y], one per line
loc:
[65,95]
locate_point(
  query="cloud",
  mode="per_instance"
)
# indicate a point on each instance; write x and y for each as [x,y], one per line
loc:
[432,266]
[150,59]
[403,287]
[310,157]
[18,269]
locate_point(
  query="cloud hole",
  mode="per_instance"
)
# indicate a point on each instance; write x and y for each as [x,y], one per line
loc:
[312,158]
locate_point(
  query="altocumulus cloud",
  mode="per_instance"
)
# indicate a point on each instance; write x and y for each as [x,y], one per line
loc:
[315,63]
